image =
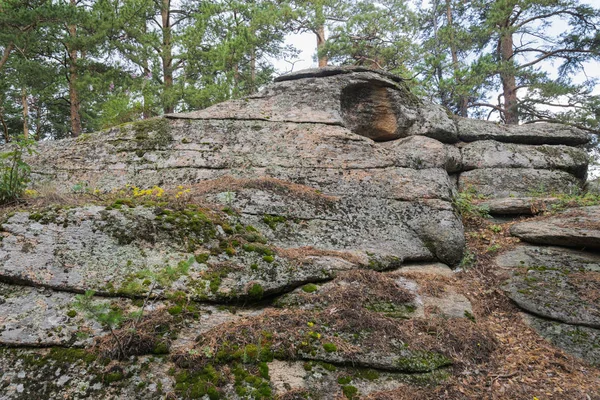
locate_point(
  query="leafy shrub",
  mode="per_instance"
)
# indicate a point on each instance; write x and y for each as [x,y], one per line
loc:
[14,172]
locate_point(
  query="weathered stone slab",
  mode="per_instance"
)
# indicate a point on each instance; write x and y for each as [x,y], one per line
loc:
[202,150]
[579,341]
[420,152]
[494,154]
[555,283]
[128,251]
[578,227]
[540,133]
[518,205]
[518,182]
[369,103]
[40,318]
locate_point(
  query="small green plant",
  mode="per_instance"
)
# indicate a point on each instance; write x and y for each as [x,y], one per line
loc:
[464,204]
[493,248]
[495,228]
[468,260]
[14,171]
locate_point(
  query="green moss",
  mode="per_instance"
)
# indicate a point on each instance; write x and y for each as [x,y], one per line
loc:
[258,248]
[350,392]
[254,237]
[329,347]
[48,216]
[310,288]
[273,220]
[251,386]
[268,259]
[71,313]
[327,366]
[69,356]
[161,348]
[152,133]
[202,258]
[256,291]
[263,370]
[175,310]
[114,376]
[422,361]
[368,374]
[197,384]
[344,380]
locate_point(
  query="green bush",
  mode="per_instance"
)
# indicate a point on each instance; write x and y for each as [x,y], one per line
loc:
[14,172]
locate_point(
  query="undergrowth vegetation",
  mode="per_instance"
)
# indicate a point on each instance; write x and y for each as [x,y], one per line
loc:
[14,171]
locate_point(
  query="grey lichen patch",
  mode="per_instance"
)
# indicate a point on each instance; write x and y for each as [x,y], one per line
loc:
[76,373]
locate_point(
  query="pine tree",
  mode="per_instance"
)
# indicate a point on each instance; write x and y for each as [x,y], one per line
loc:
[521,50]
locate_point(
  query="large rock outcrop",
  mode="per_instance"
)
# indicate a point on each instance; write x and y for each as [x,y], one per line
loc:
[295,242]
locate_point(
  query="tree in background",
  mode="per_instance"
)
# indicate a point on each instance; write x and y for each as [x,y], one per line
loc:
[381,35]
[517,57]
[73,66]
[229,48]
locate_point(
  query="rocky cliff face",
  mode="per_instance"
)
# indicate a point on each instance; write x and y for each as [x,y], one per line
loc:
[294,243]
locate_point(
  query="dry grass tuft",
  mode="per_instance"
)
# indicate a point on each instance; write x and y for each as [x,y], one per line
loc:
[229,184]
[137,337]
[357,289]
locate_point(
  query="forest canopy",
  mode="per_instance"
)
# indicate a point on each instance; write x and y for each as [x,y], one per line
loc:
[73,66]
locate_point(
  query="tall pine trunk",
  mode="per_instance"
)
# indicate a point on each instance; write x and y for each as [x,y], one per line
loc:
[167,56]
[507,76]
[73,94]
[462,100]
[253,70]
[25,112]
[320,32]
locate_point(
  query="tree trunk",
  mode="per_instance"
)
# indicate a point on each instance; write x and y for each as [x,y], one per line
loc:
[253,70]
[509,85]
[7,50]
[320,32]
[4,128]
[167,56]
[73,94]
[25,112]
[462,101]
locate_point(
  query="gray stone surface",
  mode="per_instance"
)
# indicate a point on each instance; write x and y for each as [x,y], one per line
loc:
[369,103]
[518,205]
[593,186]
[405,199]
[518,182]
[555,283]
[540,133]
[494,154]
[577,227]
[579,341]
[41,317]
